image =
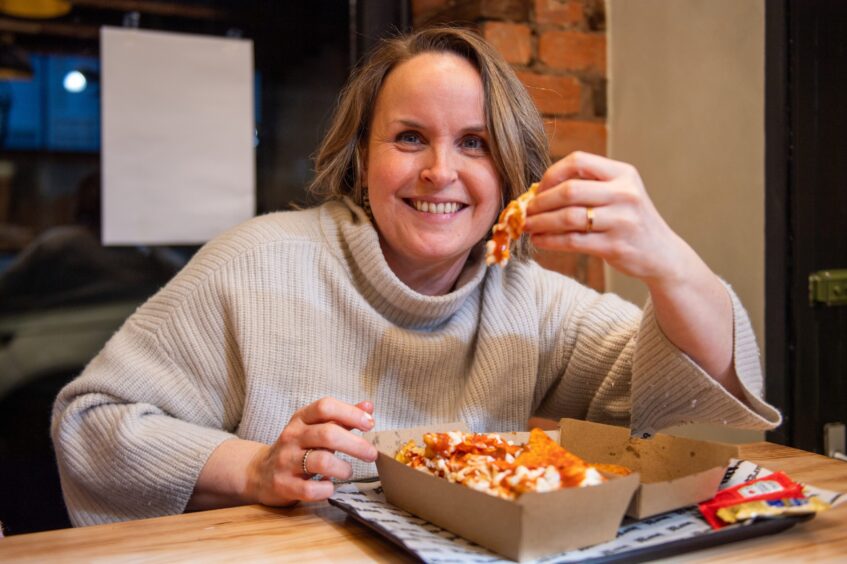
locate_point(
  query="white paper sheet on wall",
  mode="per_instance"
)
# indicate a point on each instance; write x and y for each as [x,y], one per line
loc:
[177,126]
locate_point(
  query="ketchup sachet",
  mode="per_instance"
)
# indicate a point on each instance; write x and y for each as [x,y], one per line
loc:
[773,486]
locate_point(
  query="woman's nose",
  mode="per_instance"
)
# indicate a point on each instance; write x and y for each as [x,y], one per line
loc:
[440,170]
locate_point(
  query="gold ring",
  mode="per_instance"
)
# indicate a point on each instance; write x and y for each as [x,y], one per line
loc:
[305,460]
[589,217]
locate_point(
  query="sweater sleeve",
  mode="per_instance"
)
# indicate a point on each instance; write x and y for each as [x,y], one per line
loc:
[615,365]
[668,388]
[133,432]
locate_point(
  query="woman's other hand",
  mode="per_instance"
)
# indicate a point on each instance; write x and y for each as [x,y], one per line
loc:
[240,472]
[322,428]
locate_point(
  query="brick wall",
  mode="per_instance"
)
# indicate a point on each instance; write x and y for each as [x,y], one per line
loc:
[558,49]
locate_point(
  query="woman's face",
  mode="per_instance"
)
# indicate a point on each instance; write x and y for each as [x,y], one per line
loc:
[432,184]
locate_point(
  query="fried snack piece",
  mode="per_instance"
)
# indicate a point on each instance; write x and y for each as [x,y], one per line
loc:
[543,451]
[508,228]
[409,453]
[616,469]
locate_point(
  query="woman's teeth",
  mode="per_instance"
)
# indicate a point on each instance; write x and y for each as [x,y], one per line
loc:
[431,207]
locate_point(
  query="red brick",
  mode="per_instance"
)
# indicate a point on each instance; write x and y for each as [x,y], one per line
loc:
[567,136]
[560,12]
[420,7]
[512,10]
[573,50]
[465,12]
[556,95]
[512,40]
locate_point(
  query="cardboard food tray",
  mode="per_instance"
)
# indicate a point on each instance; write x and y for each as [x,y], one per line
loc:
[534,525]
[675,471]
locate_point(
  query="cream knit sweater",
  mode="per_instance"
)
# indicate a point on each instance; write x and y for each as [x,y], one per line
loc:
[294,306]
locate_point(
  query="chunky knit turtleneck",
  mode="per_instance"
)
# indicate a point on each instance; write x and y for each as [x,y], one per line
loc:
[379,285]
[294,306]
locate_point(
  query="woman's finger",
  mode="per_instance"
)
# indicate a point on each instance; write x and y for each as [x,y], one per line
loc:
[571,193]
[571,219]
[332,437]
[582,165]
[311,490]
[367,406]
[332,410]
[364,406]
[574,242]
[325,463]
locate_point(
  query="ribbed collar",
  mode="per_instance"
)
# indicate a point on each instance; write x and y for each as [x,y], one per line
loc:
[352,237]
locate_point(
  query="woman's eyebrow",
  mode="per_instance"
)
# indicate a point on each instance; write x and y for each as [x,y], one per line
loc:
[476,129]
[473,128]
[408,123]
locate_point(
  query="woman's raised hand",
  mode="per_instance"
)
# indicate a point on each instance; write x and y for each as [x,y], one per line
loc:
[277,472]
[591,204]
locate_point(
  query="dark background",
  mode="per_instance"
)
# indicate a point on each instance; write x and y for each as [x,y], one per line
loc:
[806,215]
[61,293]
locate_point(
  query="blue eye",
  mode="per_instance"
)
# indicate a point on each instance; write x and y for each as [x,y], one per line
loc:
[408,137]
[474,143]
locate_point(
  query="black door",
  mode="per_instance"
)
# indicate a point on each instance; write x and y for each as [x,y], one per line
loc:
[806,214]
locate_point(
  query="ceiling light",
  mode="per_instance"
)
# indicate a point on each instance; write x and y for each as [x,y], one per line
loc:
[75,81]
[78,80]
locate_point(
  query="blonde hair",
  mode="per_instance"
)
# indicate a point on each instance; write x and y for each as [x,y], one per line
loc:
[517,140]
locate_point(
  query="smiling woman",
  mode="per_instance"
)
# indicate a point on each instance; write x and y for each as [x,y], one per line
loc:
[249,373]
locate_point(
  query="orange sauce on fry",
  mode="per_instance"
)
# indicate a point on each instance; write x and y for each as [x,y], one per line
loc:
[509,227]
[501,246]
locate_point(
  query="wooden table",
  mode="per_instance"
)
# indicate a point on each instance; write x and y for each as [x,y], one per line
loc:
[321,532]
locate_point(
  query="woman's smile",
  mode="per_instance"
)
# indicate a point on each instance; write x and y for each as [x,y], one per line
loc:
[435,208]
